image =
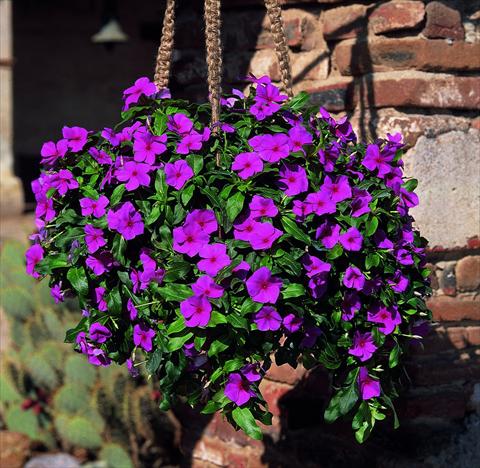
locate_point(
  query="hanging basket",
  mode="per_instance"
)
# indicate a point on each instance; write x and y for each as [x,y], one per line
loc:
[202,249]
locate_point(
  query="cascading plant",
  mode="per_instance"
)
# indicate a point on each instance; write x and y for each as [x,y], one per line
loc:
[204,254]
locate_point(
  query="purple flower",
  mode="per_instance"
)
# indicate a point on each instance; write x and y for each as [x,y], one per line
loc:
[354,278]
[189,239]
[44,208]
[57,293]
[310,337]
[314,266]
[263,287]
[399,283]
[267,318]
[329,156]
[132,310]
[389,318]
[301,210]
[143,336]
[318,285]
[271,148]
[89,206]
[99,333]
[374,159]
[52,151]
[352,240]
[328,233]
[403,256]
[250,372]
[337,189]
[205,286]
[190,142]
[100,262]
[262,207]
[196,310]
[126,220]
[263,236]
[241,270]
[244,230]
[293,179]
[320,203]
[363,346]
[299,136]
[381,240]
[292,323]
[33,255]
[178,173]
[100,298]
[247,165]
[147,147]
[76,138]
[112,137]
[94,238]
[142,87]
[205,220]
[97,357]
[238,389]
[361,199]
[134,174]
[369,388]
[132,370]
[100,156]
[179,123]
[215,258]
[351,303]
[64,181]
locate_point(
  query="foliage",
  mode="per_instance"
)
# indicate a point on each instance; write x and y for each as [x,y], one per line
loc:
[277,235]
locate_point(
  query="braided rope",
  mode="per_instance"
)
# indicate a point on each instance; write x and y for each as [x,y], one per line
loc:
[214,55]
[164,55]
[275,15]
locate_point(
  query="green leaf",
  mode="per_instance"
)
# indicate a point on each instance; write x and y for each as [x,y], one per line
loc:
[114,301]
[237,321]
[153,215]
[216,318]
[195,161]
[292,228]
[371,226]
[233,364]
[176,270]
[249,306]
[393,357]
[372,260]
[178,341]
[153,363]
[175,292]
[78,280]
[187,194]
[161,186]
[217,347]
[160,123]
[341,403]
[234,205]
[117,194]
[293,290]
[299,101]
[50,263]
[119,246]
[244,418]
[177,326]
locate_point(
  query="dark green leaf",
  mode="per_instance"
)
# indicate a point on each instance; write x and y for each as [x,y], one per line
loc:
[154,361]
[234,205]
[293,290]
[178,341]
[292,228]
[244,418]
[117,194]
[175,292]
[78,280]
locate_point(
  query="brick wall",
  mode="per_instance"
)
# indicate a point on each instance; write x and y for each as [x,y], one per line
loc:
[403,65]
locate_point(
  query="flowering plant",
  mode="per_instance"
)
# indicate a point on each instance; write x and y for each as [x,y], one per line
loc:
[275,235]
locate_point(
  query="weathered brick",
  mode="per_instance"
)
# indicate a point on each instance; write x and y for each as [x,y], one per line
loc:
[452,309]
[397,89]
[446,278]
[468,273]
[393,16]
[381,54]
[443,22]
[474,241]
[285,373]
[273,392]
[344,22]
[445,338]
[311,65]
[264,62]
[210,450]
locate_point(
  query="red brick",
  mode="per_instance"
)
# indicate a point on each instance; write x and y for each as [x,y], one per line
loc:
[467,273]
[311,65]
[344,22]
[443,22]
[210,450]
[382,54]
[393,16]
[222,429]
[474,242]
[14,449]
[476,125]
[397,89]
[445,338]
[285,373]
[450,309]
[272,392]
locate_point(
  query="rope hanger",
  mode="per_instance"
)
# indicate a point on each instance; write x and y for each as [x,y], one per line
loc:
[214,49]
